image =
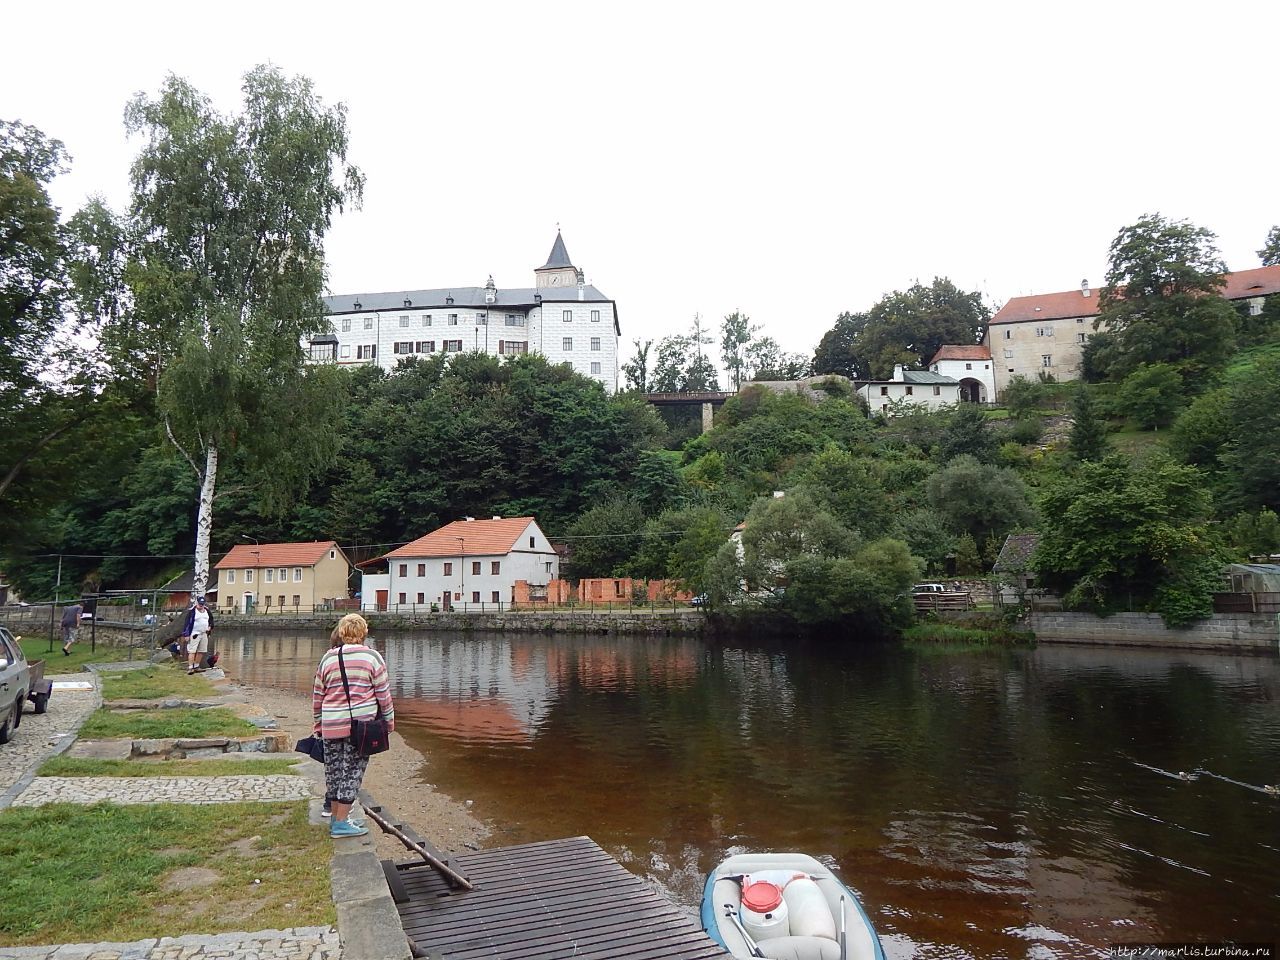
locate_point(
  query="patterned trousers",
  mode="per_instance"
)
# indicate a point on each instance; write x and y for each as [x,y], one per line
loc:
[343,770]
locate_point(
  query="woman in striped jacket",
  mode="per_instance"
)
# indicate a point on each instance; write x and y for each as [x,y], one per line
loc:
[333,710]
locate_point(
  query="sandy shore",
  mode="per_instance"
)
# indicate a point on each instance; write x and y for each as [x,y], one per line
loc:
[393,777]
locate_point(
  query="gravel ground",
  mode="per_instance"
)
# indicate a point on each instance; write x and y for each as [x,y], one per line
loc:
[41,736]
[393,778]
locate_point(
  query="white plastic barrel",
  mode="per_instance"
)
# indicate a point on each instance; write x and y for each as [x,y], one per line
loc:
[764,911]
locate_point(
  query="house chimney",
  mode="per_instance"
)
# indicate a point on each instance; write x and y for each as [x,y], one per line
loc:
[898,372]
[1084,287]
[582,285]
[490,291]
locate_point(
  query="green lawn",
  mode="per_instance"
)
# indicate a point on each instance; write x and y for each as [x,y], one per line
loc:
[84,767]
[74,874]
[154,683]
[37,648]
[1136,444]
[157,724]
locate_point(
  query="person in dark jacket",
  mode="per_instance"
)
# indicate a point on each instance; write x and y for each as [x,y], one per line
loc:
[196,630]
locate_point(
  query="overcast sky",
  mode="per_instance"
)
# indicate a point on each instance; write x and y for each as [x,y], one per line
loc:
[792,160]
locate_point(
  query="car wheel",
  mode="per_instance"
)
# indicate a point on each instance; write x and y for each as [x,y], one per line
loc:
[6,728]
[42,702]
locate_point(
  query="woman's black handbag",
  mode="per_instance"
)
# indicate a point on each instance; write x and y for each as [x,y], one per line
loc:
[312,746]
[367,736]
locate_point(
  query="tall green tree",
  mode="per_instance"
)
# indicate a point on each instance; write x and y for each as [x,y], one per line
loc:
[736,333]
[1152,395]
[1163,303]
[766,360]
[979,499]
[1270,252]
[226,234]
[679,367]
[636,370]
[46,382]
[1115,536]
[839,349]
[905,326]
[968,432]
[1088,439]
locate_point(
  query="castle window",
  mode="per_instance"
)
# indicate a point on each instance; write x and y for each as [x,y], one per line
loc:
[567,315]
[1046,360]
[595,368]
[368,323]
[595,343]
[346,324]
[404,320]
[595,316]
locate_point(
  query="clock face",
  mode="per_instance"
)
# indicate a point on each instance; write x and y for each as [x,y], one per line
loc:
[555,281]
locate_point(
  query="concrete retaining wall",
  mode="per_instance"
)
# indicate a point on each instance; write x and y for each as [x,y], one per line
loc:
[1222,631]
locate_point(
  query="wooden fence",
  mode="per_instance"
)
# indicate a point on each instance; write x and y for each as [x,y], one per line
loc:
[1264,602]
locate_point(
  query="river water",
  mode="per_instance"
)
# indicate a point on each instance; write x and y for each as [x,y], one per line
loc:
[1038,803]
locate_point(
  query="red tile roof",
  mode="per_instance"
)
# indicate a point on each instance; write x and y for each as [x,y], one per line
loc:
[961,351]
[275,554]
[1241,285]
[467,538]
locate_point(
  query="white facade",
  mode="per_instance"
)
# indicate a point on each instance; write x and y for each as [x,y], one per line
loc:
[977,369]
[467,580]
[384,328]
[914,387]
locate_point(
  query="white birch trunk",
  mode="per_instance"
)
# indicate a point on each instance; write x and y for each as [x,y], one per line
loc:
[204,521]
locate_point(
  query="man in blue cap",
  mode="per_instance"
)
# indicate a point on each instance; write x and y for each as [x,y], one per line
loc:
[196,630]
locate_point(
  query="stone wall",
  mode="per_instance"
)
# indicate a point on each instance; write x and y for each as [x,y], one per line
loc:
[640,623]
[1222,631]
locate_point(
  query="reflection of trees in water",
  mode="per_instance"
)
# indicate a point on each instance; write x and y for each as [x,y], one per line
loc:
[998,788]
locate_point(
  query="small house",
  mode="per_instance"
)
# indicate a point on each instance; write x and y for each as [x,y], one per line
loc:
[465,563]
[282,577]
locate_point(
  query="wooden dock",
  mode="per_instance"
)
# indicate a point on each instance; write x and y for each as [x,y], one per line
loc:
[538,901]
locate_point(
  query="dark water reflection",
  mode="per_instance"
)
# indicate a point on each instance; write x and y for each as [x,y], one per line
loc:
[983,805]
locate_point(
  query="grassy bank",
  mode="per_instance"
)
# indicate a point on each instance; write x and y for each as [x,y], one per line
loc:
[158,724]
[64,766]
[119,873]
[37,648]
[153,683]
[971,633]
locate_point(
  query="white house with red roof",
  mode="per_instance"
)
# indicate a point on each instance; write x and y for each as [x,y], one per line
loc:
[282,577]
[468,563]
[970,366]
[1046,333]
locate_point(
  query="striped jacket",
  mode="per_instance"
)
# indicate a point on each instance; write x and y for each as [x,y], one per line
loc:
[370,691]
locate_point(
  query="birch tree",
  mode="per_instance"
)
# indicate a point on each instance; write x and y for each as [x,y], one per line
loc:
[226,269]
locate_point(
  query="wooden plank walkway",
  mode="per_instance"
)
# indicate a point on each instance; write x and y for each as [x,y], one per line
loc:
[538,901]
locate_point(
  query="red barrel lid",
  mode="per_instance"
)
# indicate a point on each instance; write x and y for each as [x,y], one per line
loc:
[761,896]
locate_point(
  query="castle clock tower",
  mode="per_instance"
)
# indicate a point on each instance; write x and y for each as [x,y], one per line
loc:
[558,272]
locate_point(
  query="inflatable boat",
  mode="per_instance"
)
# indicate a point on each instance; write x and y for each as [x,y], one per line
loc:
[785,906]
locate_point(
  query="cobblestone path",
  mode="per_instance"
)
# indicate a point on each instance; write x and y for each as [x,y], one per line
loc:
[269,788]
[300,943]
[40,735]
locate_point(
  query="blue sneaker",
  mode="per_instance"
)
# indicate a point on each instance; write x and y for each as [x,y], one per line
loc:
[345,828]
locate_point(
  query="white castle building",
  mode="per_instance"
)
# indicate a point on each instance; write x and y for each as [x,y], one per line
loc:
[561,316]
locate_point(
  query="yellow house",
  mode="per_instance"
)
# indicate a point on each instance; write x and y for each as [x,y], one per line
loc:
[282,577]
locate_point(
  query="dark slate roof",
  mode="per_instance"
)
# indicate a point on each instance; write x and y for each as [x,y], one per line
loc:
[1015,555]
[559,255]
[925,376]
[463,297]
